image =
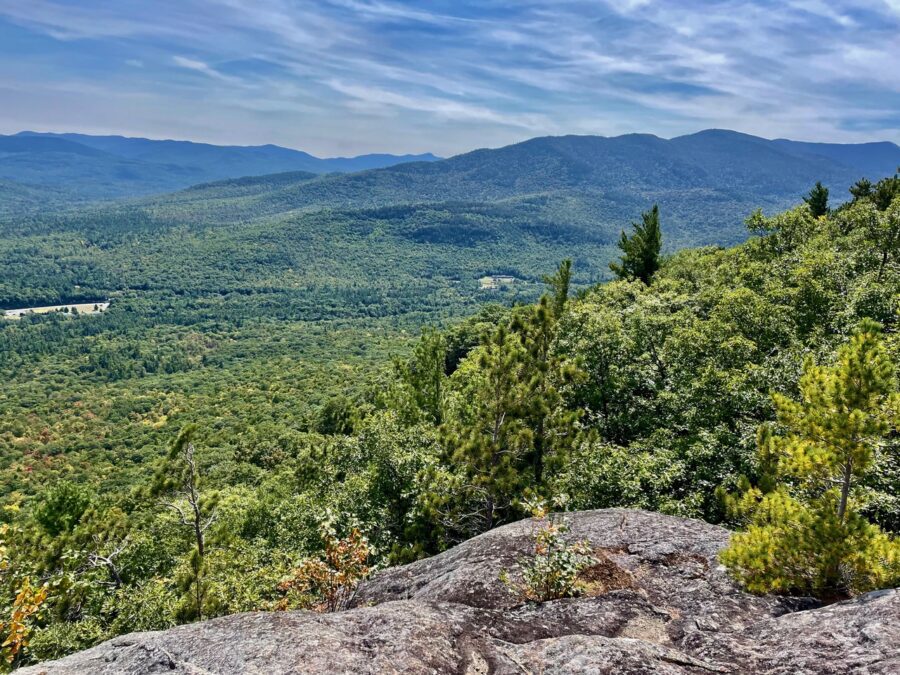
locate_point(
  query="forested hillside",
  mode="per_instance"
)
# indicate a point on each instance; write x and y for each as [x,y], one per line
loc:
[242,374]
[705,183]
[104,167]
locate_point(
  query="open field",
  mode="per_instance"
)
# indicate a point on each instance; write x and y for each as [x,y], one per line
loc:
[80,308]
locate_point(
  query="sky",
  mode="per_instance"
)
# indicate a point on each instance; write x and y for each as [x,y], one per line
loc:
[345,77]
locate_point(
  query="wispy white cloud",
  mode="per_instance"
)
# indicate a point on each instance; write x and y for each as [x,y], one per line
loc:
[202,67]
[359,75]
[374,99]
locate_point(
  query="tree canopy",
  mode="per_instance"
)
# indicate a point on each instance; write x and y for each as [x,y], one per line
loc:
[301,416]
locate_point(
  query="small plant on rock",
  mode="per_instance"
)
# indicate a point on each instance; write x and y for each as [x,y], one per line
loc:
[553,572]
[15,627]
[329,583]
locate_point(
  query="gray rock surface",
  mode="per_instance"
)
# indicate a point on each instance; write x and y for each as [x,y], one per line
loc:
[662,604]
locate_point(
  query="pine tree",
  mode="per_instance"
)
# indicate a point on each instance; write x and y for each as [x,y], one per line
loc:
[552,427]
[423,377]
[886,191]
[806,535]
[817,200]
[178,484]
[536,331]
[487,446]
[861,189]
[559,286]
[640,251]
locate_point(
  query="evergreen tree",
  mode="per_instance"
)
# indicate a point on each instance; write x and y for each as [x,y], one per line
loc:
[552,428]
[886,190]
[806,534]
[178,483]
[640,251]
[62,508]
[424,375]
[817,200]
[487,444]
[335,417]
[559,286]
[861,189]
[536,334]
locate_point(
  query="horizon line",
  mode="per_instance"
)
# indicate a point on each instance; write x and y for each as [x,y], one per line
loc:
[26,132]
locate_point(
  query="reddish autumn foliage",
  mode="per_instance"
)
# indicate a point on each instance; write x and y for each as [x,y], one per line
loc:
[328,584]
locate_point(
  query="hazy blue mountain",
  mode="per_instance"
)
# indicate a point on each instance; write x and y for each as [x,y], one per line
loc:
[713,162]
[870,158]
[23,144]
[87,173]
[96,167]
[705,183]
[252,160]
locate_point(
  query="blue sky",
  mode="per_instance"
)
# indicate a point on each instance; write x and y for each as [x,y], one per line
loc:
[338,77]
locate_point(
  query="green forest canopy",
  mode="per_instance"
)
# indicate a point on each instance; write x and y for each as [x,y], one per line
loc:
[627,394]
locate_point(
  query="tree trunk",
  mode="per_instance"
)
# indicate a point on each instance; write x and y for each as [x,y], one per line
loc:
[489,512]
[884,259]
[845,491]
[114,573]
[198,533]
[538,460]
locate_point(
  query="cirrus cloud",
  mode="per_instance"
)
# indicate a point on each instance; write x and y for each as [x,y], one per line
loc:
[346,76]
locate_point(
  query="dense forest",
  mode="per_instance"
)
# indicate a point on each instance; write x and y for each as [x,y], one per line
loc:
[230,416]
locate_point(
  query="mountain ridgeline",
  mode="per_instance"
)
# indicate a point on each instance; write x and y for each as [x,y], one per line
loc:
[102,167]
[710,167]
[570,187]
[710,176]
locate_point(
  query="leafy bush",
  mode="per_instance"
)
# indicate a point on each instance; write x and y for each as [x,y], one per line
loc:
[553,572]
[59,639]
[329,583]
[62,507]
[15,632]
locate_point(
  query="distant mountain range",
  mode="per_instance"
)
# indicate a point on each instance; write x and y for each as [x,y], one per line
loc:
[392,236]
[705,183]
[100,167]
[635,165]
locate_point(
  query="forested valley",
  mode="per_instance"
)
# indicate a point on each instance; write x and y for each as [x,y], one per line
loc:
[263,392]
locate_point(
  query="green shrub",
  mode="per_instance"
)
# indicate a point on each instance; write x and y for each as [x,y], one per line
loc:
[59,639]
[553,572]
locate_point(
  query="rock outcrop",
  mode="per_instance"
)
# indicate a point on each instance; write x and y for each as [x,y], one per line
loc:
[660,603]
